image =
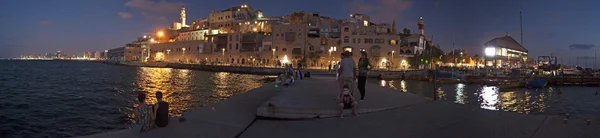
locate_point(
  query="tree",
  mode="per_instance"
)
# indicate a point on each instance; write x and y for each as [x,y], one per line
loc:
[405,33]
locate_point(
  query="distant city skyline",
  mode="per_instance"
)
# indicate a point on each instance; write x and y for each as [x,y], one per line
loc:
[73,26]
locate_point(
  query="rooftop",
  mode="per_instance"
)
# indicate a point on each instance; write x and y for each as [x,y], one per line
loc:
[506,42]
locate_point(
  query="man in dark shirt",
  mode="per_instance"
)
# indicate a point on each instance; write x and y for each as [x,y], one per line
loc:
[162,111]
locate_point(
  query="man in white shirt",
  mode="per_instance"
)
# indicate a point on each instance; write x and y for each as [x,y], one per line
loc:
[348,71]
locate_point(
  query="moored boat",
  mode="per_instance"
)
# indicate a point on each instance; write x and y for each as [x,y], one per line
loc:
[537,83]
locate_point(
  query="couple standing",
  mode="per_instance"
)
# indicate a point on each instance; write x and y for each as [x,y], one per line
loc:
[148,116]
[348,72]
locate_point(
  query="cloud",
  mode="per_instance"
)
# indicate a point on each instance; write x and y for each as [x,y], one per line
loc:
[124,15]
[46,23]
[581,46]
[160,6]
[381,9]
[153,17]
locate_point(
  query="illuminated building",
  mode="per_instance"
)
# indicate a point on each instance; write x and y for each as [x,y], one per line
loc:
[505,52]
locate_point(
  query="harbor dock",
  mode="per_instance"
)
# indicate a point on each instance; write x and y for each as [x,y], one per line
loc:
[307,109]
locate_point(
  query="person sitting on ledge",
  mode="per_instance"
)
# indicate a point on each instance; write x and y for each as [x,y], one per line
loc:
[161,109]
[347,101]
[144,118]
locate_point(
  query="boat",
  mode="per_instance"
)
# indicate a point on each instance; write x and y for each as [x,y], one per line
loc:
[504,83]
[537,83]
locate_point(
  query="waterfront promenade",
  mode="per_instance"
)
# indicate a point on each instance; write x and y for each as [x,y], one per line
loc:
[385,113]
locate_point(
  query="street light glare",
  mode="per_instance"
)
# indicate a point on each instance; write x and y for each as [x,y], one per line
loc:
[160,34]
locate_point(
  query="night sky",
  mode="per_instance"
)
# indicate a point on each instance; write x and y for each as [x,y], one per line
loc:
[566,28]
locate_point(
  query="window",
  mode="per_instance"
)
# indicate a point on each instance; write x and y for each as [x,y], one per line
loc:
[346,29]
[368,40]
[379,41]
[230,38]
[393,42]
[349,49]
[311,48]
[359,40]
[334,30]
[284,49]
[229,46]
[353,40]
[236,46]
[346,39]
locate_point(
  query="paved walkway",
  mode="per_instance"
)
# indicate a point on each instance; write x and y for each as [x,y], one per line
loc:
[316,98]
[412,117]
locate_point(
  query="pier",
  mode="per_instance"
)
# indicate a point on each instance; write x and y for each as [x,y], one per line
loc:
[308,109]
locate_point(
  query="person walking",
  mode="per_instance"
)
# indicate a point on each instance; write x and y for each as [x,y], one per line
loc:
[364,64]
[347,72]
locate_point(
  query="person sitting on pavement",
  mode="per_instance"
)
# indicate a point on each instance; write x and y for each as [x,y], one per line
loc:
[347,102]
[144,118]
[161,109]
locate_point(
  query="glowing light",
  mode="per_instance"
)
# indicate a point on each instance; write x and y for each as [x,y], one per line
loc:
[285,59]
[383,83]
[490,51]
[366,23]
[159,56]
[160,34]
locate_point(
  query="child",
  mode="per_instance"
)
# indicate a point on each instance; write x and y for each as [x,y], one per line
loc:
[347,101]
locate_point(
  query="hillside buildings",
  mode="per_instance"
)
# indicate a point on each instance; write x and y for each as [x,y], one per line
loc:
[243,35]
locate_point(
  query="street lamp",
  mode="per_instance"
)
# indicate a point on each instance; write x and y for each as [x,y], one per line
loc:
[273,57]
[160,34]
[392,62]
[223,56]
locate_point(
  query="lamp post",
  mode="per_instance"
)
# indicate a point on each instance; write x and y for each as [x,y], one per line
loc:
[223,56]
[392,62]
[273,57]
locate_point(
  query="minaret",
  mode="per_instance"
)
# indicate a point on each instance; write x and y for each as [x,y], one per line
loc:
[421,34]
[394,25]
[183,17]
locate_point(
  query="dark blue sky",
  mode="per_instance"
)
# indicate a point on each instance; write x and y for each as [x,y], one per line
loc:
[566,28]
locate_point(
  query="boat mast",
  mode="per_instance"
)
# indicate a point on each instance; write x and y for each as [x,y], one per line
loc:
[521,23]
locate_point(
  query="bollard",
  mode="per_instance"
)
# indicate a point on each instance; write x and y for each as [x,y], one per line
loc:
[588,121]
[567,115]
[565,121]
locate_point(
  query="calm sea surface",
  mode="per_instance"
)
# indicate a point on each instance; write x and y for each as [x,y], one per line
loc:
[74,98]
[573,99]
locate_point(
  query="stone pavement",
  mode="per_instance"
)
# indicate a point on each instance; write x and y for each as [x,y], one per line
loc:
[316,98]
[418,119]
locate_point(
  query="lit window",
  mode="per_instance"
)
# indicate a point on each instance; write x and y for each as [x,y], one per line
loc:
[349,49]
[392,42]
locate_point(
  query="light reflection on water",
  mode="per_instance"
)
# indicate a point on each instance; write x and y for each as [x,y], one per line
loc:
[573,100]
[90,97]
[186,89]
